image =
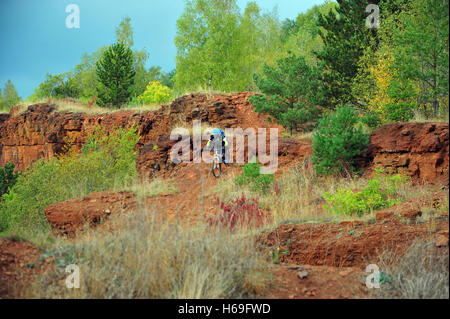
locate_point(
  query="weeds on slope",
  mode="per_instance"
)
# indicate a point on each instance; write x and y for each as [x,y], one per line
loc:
[421,273]
[147,256]
[298,194]
[106,161]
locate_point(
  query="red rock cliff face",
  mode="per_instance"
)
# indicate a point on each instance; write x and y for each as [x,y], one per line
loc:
[420,150]
[41,131]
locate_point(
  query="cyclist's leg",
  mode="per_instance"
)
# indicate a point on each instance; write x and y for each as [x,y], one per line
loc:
[224,158]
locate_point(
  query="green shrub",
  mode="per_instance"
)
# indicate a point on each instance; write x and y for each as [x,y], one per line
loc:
[105,162]
[155,92]
[377,194]
[251,175]
[337,142]
[399,112]
[7,178]
[372,120]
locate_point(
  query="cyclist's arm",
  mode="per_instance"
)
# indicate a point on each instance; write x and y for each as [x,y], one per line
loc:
[209,141]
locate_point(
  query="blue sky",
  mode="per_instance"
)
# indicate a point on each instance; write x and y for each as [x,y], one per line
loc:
[35,39]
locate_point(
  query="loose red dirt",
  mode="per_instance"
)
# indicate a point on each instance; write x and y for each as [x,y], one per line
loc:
[19,263]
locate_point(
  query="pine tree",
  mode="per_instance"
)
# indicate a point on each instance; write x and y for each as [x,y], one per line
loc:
[10,96]
[337,142]
[345,37]
[289,90]
[115,72]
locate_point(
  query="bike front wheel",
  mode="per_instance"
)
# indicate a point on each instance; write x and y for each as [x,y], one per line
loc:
[216,169]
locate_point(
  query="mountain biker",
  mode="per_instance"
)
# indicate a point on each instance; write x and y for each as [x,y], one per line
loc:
[218,138]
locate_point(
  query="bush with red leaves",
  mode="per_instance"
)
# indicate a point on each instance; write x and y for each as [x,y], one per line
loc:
[239,212]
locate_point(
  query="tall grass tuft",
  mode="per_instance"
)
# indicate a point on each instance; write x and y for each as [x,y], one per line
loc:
[421,273]
[147,256]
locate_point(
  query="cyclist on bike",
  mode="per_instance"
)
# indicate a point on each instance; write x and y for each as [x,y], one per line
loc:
[219,139]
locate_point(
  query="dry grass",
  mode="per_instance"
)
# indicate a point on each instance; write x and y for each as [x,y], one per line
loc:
[421,273]
[443,116]
[201,90]
[296,195]
[67,105]
[300,136]
[154,187]
[149,257]
[144,107]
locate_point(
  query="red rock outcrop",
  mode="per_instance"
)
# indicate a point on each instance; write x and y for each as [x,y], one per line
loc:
[70,216]
[419,150]
[41,131]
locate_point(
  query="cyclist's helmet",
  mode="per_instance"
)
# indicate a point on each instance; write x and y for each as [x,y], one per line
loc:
[217,131]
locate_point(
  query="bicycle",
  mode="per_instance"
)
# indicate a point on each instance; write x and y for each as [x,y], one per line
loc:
[216,165]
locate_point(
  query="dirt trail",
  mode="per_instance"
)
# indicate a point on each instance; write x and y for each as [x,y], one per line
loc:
[194,182]
[19,263]
[317,282]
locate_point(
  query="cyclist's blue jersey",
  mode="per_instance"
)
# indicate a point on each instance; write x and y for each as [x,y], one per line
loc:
[221,133]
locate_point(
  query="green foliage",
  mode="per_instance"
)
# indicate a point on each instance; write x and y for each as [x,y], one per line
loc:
[337,142]
[421,52]
[403,99]
[220,48]
[84,74]
[81,82]
[9,97]
[399,112]
[155,93]
[1,100]
[302,35]
[124,32]
[58,86]
[115,72]
[251,175]
[408,71]
[345,36]
[7,178]
[207,48]
[289,91]
[377,194]
[371,119]
[106,161]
